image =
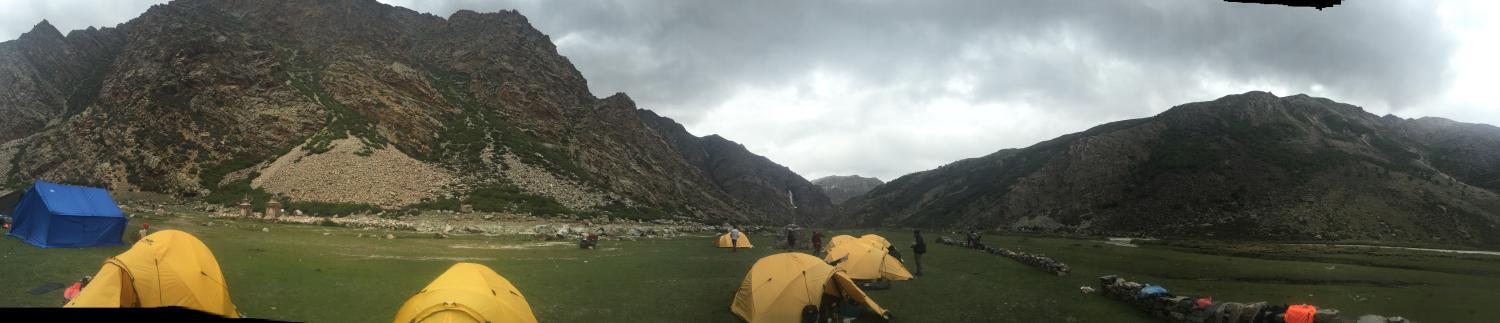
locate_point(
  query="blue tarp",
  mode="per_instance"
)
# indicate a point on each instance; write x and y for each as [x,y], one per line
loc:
[1153,290]
[54,215]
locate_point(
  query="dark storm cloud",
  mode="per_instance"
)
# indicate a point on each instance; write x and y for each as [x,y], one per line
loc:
[684,56]
[1079,62]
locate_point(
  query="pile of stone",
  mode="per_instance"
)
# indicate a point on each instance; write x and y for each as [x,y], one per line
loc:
[564,231]
[359,222]
[1037,261]
[1172,308]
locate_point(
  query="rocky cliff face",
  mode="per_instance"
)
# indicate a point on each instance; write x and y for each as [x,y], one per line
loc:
[843,188]
[47,75]
[1244,166]
[203,97]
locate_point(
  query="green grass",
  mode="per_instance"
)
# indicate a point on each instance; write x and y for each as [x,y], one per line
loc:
[499,198]
[230,194]
[296,273]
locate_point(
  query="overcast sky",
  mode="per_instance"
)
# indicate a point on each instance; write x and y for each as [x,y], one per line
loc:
[885,88]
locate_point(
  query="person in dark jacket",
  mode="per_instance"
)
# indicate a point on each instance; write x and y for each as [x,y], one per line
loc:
[817,242]
[791,238]
[917,249]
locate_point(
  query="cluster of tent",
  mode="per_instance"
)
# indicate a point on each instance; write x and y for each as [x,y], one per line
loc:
[865,258]
[779,287]
[174,268]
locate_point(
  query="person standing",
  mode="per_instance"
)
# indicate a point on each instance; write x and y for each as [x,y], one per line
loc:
[918,248]
[734,238]
[791,239]
[143,232]
[817,242]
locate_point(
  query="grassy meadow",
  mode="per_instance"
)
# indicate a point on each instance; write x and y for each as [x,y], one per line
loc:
[328,274]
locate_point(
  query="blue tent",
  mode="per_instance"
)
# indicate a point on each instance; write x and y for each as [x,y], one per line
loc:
[55,215]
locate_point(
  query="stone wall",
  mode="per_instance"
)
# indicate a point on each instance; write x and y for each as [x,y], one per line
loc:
[1040,262]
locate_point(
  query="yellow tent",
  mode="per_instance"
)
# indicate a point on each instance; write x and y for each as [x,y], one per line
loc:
[467,293]
[723,241]
[876,240]
[866,261]
[780,285]
[166,268]
[838,240]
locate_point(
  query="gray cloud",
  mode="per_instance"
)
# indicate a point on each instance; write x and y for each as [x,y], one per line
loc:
[1083,62]
[18,16]
[885,88]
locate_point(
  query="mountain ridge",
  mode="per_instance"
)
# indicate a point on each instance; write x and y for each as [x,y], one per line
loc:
[1250,165]
[197,97]
[842,188]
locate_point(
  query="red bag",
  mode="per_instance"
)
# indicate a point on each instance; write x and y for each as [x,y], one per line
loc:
[1300,313]
[72,290]
[1205,302]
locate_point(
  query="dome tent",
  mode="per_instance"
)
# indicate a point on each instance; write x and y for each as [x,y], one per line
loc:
[467,292]
[723,241]
[166,268]
[867,259]
[779,286]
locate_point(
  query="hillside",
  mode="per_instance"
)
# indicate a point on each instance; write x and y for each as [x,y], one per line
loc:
[1251,166]
[347,104]
[843,188]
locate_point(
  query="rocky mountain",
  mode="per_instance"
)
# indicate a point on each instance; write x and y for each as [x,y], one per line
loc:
[355,104]
[843,188]
[1244,166]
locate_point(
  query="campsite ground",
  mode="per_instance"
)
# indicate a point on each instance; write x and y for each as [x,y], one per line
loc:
[328,274]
